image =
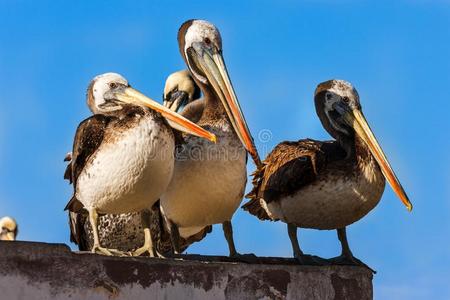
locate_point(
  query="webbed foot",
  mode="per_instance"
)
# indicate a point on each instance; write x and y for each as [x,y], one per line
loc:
[248,258]
[147,250]
[105,251]
[310,260]
[349,260]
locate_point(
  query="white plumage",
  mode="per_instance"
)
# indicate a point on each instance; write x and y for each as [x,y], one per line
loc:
[208,182]
[130,171]
[315,206]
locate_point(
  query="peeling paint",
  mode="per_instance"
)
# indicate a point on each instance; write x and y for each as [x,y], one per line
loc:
[42,271]
[128,272]
[346,289]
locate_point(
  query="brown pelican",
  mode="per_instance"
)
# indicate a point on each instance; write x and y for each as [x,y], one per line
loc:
[8,229]
[209,179]
[122,159]
[180,89]
[124,231]
[325,185]
[179,92]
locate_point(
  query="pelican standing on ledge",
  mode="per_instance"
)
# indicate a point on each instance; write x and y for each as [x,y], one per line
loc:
[8,229]
[122,159]
[325,185]
[124,231]
[209,179]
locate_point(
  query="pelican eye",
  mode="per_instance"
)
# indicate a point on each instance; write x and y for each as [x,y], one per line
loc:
[207,41]
[346,99]
[113,85]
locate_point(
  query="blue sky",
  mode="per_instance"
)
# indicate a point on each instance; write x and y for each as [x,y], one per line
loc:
[396,54]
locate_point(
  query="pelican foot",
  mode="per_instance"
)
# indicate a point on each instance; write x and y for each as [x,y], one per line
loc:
[160,255]
[146,250]
[310,260]
[142,251]
[106,251]
[248,258]
[349,261]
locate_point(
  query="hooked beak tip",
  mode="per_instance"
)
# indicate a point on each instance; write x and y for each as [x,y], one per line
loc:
[213,138]
[409,207]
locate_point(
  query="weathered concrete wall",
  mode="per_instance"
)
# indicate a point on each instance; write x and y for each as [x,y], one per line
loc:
[51,271]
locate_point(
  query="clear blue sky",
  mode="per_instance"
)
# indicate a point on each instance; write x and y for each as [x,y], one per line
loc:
[396,53]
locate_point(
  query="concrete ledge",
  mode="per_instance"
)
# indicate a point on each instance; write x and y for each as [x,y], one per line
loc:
[51,271]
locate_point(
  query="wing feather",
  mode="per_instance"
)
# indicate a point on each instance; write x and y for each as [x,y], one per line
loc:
[289,167]
[88,138]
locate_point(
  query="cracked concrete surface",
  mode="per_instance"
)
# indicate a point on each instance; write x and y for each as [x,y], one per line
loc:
[51,271]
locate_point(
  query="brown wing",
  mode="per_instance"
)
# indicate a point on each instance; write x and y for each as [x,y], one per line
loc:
[87,140]
[289,167]
[77,233]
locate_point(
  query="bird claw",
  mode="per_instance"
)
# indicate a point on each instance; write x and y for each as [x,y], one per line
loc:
[310,260]
[349,260]
[142,250]
[146,249]
[248,258]
[107,252]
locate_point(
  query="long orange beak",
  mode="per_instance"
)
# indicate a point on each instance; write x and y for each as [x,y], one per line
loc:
[178,122]
[359,123]
[210,61]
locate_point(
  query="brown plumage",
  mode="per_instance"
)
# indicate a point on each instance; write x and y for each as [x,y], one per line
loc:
[287,168]
[124,231]
[123,156]
[324,185]
[88,138]
[90,135]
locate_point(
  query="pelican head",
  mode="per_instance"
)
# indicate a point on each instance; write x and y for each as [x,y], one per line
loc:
[99,86]
[180,90]
[201,47]
[339,109]
[8,229]
[110,92]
